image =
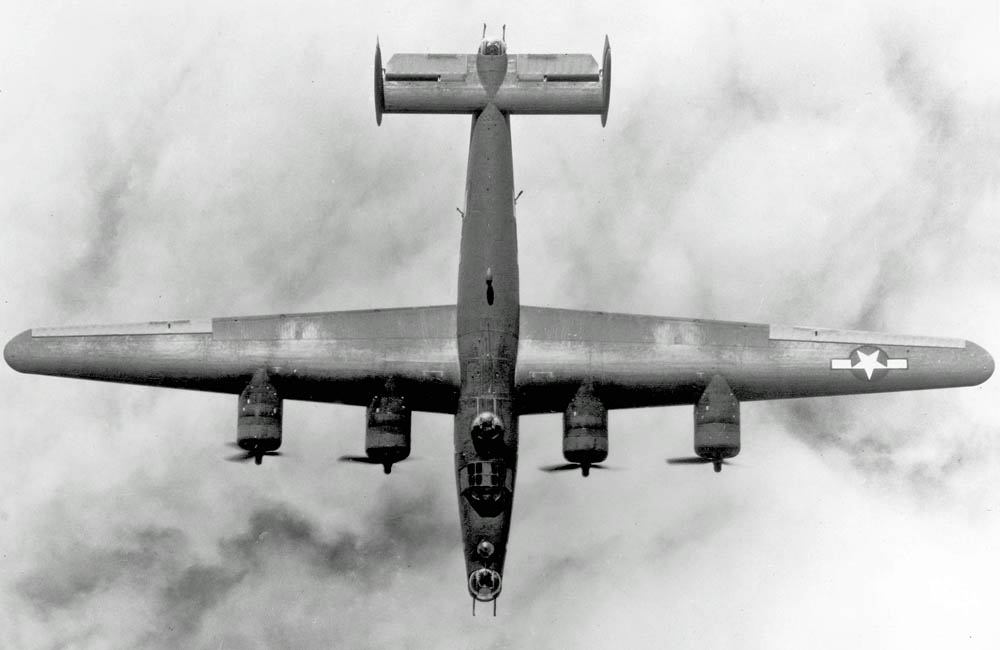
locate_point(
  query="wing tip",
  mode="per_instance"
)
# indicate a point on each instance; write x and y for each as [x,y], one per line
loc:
[17,352]
[379,86]
[981,363]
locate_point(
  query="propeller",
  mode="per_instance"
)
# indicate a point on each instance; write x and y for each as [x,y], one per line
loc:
[698,460]
[583,467]
[256,455]
[365,460]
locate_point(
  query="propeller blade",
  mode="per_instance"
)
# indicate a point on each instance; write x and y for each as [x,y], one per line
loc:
[585,469]
[560,468]
[717,463]
[368,461]
[250,455]
[689,460]
[359,459]
[365,460]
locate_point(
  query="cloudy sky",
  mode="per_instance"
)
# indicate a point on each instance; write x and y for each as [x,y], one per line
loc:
[828,163]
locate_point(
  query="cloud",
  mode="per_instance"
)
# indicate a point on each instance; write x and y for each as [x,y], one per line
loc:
[182,591]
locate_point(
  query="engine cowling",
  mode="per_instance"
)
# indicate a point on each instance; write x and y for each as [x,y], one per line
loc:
[258,422]
[717,422]
[387,436]
[585,428]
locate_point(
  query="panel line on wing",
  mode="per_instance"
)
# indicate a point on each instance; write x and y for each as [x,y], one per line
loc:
[826,335]
[199,326]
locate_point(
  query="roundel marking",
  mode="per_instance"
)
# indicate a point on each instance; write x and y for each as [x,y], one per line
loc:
[869,363]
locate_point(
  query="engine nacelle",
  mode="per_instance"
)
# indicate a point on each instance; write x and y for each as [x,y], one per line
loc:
[387,437]
[585,428]
[258,422]
[717,422]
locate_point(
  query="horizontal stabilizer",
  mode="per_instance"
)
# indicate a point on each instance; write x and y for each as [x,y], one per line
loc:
[514,83]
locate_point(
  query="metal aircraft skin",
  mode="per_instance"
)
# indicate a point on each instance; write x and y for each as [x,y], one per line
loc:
[488,360]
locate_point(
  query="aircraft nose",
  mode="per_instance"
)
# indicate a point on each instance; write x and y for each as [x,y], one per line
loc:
[484,584]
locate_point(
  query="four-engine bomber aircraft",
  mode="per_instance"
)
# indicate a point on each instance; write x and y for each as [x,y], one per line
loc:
[487,360]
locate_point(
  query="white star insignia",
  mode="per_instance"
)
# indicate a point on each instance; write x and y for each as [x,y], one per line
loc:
[868,362]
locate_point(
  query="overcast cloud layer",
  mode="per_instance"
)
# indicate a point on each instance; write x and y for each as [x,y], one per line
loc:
[835,164]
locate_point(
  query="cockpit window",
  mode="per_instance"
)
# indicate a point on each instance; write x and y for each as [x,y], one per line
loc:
[493,48]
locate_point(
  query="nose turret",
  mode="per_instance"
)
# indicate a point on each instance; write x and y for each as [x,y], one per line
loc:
[484,584]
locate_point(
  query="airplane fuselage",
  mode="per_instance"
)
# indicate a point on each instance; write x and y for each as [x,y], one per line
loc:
[488,316]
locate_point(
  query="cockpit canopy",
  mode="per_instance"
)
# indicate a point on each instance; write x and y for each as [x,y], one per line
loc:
[493,48]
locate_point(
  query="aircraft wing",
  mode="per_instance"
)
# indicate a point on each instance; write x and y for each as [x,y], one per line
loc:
[637,361]
[342,357]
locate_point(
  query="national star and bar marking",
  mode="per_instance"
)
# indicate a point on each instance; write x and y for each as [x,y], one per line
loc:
[869,362]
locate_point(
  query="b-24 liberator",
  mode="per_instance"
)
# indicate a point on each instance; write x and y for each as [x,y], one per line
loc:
[488,360]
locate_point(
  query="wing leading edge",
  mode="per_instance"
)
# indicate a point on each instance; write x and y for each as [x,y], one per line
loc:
[638,361]
[341,357]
